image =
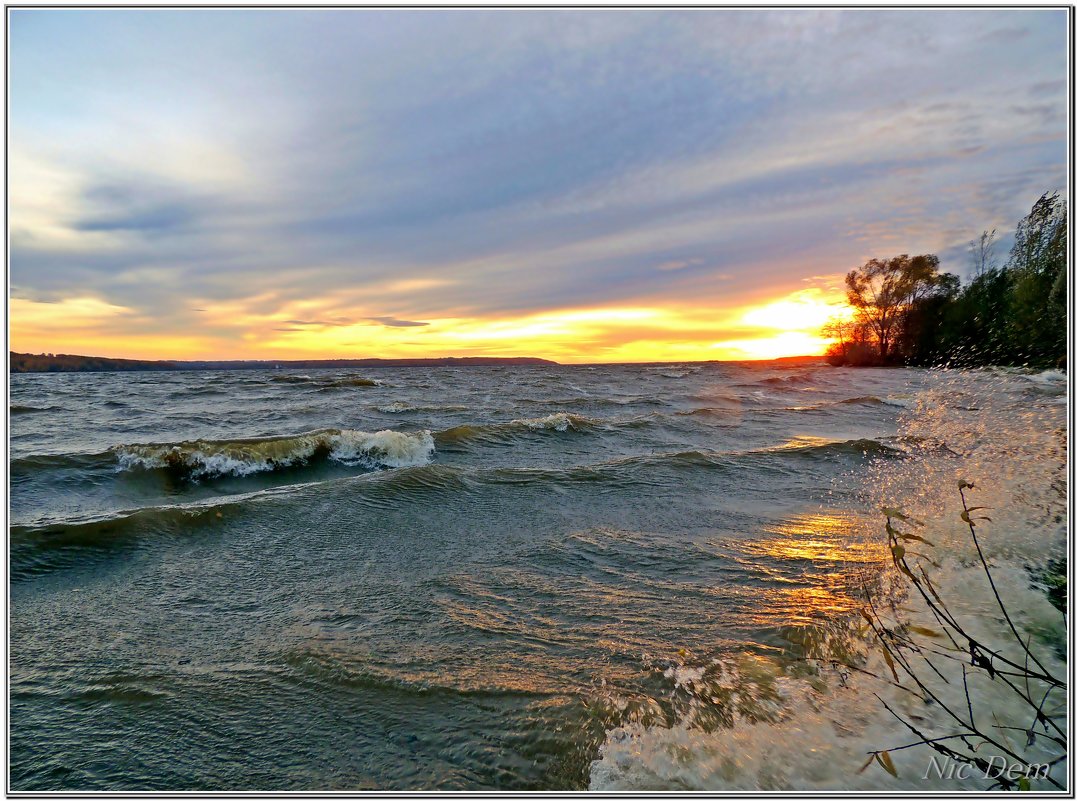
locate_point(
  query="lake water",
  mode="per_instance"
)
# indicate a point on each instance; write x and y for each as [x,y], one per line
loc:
[488,578]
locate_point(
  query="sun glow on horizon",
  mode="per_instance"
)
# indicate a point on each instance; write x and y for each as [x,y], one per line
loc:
[796,322]
[789,343]
[334,328]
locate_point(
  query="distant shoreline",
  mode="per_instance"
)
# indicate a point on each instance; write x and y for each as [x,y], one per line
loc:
[69,363]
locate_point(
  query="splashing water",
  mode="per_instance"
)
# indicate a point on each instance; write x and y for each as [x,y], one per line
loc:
[1006,436]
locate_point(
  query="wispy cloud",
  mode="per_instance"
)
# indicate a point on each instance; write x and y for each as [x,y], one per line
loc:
[393,322]
[311,169]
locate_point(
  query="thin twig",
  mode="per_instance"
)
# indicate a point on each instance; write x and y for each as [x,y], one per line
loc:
[991,581]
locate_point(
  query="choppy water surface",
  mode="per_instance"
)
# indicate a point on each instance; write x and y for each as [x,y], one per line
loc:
[498,577]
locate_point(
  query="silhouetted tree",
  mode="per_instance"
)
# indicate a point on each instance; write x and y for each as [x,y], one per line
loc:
[982,253]
[1014,315]
[884,290]
[1038,267]
[921,332]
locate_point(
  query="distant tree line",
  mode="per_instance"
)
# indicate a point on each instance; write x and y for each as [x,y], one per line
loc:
[906,312]
[70,363]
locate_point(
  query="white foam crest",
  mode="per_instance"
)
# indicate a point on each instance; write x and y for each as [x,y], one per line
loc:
[386,448]
[202,459]
[558,421]
[200,463]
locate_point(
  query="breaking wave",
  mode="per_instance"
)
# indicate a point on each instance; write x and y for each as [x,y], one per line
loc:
[560,421]
[244,457]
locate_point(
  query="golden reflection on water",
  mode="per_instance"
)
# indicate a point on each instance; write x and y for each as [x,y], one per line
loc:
[821,538]
[803,572]
[838,550]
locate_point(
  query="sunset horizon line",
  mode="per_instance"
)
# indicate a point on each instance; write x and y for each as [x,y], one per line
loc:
[523,359]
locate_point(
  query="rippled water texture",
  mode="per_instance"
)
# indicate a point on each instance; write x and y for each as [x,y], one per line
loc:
[495,577]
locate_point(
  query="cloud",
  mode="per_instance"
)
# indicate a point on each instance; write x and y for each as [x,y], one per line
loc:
[335,321]
[393,322]
[679,264]
[148,219]
[482,164]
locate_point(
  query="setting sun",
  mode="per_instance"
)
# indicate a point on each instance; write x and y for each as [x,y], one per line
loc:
[787,327]
[803,311]
[265,327]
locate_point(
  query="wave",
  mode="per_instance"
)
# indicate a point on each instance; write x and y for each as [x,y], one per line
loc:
[352,382]
[89,529]
[244,457]
[321,667]
[901,401]
[373,488]
[859,400]
[704,411]
[864,400]
[208,459]
[809,447]
[1048,382]
[654,468]
[331,383]
[708,411]
[560,422]
[26,409]
[43,547]
[747,719]
[46,545]
[402,407]
[25,465]
[675,370]
[588,400]
[784,380]
[816,447]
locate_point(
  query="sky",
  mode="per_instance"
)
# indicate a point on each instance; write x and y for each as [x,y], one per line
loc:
[585,186]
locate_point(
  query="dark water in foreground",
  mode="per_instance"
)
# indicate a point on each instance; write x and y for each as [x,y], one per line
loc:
[458,577]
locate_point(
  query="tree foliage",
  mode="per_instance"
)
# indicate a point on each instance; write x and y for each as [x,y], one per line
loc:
[909,313]
[889,296]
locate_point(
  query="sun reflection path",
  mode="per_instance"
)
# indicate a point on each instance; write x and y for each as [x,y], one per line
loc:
[818,562]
